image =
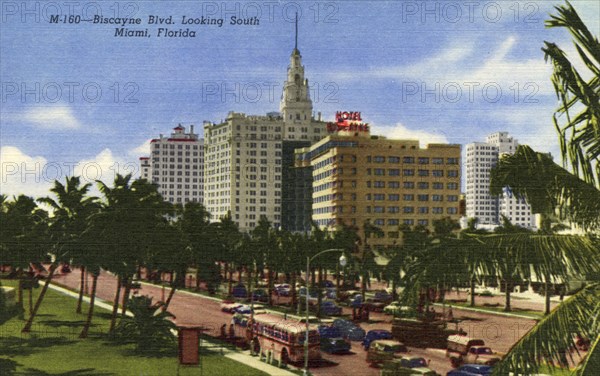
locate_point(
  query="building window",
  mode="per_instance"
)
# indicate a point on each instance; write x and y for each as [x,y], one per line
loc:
[423,185]
[393,197]
[379,172]
[437,161]
[379,197]
[408,160]
[394,172]
[452,210]
[393,184]
[453,173]
[394,159]
[438,185]
[423,197]
[423,160]
[453,186]
[408,172]
[408,185]
[437,198]
[393,222]
[438,173]
[423,210]
[408,209]
[423,222]
[408,197]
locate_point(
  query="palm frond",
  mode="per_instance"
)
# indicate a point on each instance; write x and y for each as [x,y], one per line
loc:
[552,338]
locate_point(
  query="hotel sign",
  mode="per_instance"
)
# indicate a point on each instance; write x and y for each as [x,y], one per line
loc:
[347,121]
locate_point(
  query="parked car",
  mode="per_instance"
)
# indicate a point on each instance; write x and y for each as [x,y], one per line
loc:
[239,291]
[329,308]
[229,307]
[283,289]
[355,301]
[326,331]
[407,366]
[373,305]
[327,284]
[349,330]
[376,334]
[383,297]
[383,350]
[335,345]
[471,370]
[260,295]
[247,309]
[313,295]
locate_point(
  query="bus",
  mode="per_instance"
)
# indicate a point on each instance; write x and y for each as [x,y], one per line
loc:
[283,338]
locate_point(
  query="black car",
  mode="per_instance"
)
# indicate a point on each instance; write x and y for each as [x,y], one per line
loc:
[336,345]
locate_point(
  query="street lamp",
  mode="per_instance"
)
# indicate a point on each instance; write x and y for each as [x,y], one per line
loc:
[343,260]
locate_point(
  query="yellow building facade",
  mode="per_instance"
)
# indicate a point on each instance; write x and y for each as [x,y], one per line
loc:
[358,178]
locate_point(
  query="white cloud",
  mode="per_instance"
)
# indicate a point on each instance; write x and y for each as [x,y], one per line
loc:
[24,174]
[401,132]
[34,175]
[141,150]
[59,117]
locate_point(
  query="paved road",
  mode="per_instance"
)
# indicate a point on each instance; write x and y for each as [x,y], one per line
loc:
[499,332]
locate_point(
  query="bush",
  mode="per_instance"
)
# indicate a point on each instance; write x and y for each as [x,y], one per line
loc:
[149,328]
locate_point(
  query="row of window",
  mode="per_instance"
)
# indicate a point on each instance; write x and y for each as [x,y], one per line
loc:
[407,197]
[411,160]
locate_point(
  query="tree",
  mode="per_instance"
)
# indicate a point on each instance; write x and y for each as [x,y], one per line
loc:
[579,128]
[577,200]
[24,234]
[124,231]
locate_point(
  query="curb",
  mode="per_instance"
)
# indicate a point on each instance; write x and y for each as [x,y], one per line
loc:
[240,357]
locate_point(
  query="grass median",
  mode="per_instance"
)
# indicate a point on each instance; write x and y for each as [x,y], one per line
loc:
[54,347]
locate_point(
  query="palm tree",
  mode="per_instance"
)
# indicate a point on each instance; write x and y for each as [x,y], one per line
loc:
[125,229]
[577,200]
[71,209]
[579,128]
[24,233]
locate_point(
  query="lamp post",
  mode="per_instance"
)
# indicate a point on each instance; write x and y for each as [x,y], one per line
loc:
[252,314]
[343,260]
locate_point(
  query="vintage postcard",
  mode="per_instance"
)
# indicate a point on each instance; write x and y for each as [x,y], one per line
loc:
[277,187]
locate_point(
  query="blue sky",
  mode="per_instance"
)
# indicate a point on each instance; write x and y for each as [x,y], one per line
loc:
[74,96]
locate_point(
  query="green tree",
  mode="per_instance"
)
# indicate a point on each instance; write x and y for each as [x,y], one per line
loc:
[24,236]
[124,231]
[575,200]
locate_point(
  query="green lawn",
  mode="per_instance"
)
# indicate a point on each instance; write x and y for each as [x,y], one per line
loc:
[53,347]
[532,314]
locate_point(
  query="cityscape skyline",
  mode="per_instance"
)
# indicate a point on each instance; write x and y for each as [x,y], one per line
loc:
[406,88]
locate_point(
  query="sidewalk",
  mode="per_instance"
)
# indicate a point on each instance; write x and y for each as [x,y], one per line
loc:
[242,357]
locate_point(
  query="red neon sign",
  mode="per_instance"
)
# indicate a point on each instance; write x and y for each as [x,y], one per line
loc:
[348,121]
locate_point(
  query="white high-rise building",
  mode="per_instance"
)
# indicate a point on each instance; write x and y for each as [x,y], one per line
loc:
[244,154]
[481,157]
[176,166]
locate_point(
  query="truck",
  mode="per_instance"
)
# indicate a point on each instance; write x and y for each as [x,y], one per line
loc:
[422,333]
[465,350]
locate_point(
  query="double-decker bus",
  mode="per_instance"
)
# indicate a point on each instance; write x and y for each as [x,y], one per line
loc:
[283,338]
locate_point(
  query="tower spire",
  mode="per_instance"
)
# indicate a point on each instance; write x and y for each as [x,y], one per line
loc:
[296,42]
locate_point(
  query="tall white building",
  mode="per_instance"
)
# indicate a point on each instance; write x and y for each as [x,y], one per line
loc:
[481,157]
[244,155]
[176,166]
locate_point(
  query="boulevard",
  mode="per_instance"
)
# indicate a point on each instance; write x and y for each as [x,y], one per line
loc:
[499,332]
